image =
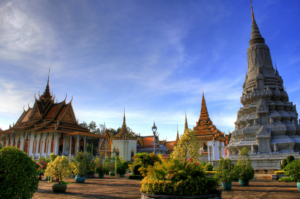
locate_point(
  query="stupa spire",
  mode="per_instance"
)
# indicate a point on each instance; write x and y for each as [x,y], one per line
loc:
[255,34]
[186,123]
[124,119]
[47,95]
[204,113]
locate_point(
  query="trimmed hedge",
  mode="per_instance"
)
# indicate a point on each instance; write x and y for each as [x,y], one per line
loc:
[290,159]
[286,179]
[136,177]
[18,174]
[209,167]
[279,172]
[135,170]
[210,172]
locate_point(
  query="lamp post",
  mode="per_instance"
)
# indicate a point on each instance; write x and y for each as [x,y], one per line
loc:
[154,129]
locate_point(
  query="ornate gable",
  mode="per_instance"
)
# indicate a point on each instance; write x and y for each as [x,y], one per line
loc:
[67,117]
[36,112]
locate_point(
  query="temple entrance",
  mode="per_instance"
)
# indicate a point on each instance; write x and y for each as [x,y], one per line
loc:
[40,145]
[81,145]
[60,145]
[26,145]
[19,144]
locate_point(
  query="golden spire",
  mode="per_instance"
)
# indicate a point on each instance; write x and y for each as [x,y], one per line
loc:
[255,34]
[124,120]
[47,95]
[132,151]
[204,113]
[252,9]
[186,123]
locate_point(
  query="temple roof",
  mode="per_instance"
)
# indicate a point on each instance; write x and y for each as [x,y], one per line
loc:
[48,116]
[205,130]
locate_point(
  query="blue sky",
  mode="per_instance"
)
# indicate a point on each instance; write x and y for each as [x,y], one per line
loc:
[151,57]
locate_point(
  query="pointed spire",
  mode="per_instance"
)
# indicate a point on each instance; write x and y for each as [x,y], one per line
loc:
[255,34]
[47,95]
[186,123]
[204,113]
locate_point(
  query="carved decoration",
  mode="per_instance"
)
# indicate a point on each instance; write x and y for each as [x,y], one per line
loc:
[68,117]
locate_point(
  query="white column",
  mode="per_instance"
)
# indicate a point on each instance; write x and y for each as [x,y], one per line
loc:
[208,154]
[13,139]
[34,145]
[55,144]
[29,140]
[23,142]
[77,143]
[222,149]
[41,146]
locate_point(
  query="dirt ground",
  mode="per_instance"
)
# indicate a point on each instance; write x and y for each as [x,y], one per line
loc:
[117,187]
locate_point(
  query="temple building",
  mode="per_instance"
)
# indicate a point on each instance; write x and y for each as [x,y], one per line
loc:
[212,141]
[267,123]
[49,127]
[123,143]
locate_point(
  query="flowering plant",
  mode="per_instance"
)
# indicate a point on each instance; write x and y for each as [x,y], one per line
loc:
[59,168]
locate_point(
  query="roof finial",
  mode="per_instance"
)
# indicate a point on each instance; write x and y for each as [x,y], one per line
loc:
[252,9]
[49,75]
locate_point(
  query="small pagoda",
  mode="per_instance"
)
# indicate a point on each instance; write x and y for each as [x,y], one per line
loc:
[208,135]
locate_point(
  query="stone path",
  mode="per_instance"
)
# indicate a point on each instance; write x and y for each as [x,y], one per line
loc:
[116,187]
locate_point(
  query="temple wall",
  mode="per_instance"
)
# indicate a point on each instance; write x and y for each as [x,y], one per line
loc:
[125,147]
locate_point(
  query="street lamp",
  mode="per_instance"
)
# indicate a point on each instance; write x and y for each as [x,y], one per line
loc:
[154,129]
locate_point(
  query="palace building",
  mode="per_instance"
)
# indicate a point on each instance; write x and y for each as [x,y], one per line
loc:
[212,141]
[50,127]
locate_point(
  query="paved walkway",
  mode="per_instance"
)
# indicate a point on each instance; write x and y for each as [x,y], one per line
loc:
[116,187]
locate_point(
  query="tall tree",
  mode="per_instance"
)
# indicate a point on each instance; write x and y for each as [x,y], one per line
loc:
[84,125]
[187,147]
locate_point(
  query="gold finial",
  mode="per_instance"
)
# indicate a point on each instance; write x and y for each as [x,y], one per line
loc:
[252,9]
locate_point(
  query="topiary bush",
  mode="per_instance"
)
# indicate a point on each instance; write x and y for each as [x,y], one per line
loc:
[209,167]
[283,164]
[135,169]
[290,159]
[121,170]
[125,164]
[117,164]
[293,170]
[18,174]
[52,157]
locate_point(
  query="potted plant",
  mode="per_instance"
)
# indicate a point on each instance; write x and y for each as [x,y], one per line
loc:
[99,170]
[59,168]
[121,170]
[293,170]
[80,172]
[244,168]
[225,173]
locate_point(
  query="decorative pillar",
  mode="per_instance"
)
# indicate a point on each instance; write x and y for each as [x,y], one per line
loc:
[70,147]
[29,140]
[13,138]
[34,145]
[99,147]
[54,144]
[23,145]
[105,149]
[47,143]
[63,148]
[41,145]
[208,154]
[77,143]
[84,146]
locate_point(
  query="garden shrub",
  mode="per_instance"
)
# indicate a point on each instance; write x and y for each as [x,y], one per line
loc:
[290,159]
[293,170]
[286,179]
[279,172]
[136,177]
[125,164]
[121,170]
[60,168]
[135,169]
[52,157]
[283,164]
[171,177]
[243,166]
[18,174]
[117,164]
[225,171]
[209,167]
[210,172]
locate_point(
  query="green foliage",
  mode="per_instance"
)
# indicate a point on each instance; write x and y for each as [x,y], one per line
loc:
[145,160]
[287,179]
[290,159]
[80,169]
[172,177]
[121,170]
[243,166]
[125,164]
[99,169]
[117,164]
[112,173]
[0,146]
[18,174]
[135,169]
[187,147]
[52,157]
[209,167]
[225,171]
[89,148]
[283,164]
[293,170]
[136,177]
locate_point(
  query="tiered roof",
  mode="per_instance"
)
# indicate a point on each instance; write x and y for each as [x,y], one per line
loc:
[205,129]
[48,116]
